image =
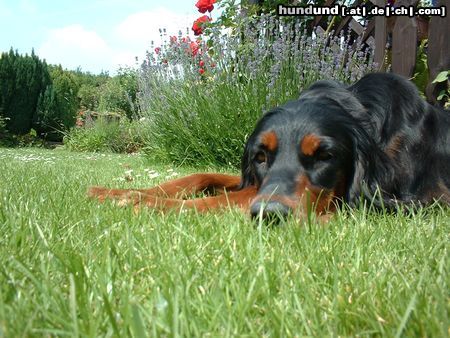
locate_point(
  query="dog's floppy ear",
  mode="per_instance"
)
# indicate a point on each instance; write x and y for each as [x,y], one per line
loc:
[372,170]
[247,170]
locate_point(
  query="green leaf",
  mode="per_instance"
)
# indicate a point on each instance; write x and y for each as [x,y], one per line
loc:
[441,95]
[137,324]
[442,76]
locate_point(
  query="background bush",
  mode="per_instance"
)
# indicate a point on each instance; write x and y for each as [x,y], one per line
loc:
[122,136]
[57,105]
[4,135]
[119,93]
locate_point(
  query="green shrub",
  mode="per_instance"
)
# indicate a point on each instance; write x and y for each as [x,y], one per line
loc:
[30,139]
[108,136]
[57,105]
[88,96]
[5,137]
[118,94]
[443,78]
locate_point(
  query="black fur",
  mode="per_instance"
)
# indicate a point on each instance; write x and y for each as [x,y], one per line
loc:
[376,135]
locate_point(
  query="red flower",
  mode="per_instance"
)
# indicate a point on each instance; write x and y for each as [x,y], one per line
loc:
[201,71]
[194,48]
[205,5]
[201,63]
[197,26]
[157,50]
[173,39]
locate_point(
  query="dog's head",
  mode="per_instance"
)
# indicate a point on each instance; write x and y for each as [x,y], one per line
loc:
[309,153]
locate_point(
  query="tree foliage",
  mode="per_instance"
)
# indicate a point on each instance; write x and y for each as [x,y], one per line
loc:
[22,80]
[89,91]
[119,94]
[58,104]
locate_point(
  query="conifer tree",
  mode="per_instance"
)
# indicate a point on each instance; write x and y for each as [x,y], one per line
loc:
[22,80]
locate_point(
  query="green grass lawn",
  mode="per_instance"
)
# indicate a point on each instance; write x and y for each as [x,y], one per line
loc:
[72,267]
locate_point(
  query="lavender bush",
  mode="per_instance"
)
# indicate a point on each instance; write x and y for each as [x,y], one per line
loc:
[203,98]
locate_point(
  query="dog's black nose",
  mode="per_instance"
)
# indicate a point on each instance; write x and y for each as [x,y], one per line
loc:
[270,209]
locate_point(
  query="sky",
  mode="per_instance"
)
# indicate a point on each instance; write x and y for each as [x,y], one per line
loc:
[96,35]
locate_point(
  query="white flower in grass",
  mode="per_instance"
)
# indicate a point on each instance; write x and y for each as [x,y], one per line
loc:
[153,175]
[172,175]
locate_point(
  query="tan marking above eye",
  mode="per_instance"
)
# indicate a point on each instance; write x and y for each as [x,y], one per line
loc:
[269,140]
[309,144]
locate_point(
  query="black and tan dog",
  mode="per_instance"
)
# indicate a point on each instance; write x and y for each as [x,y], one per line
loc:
[334,144]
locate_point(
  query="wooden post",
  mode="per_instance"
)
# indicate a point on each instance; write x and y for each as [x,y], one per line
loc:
[404,42]
[438,52]
[380,36]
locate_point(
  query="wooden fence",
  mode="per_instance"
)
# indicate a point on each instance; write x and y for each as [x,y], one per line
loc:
[399,37]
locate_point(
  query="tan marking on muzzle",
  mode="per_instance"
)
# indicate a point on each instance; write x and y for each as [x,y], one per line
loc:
[314,198]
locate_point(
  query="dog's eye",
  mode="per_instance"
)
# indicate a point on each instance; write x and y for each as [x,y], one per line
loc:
[260,157]
[324,156]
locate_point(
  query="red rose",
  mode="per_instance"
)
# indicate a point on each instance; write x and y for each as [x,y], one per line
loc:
[157,50]
[201,63]
[201,71]
[194,48]
[197,26]
[205,5]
